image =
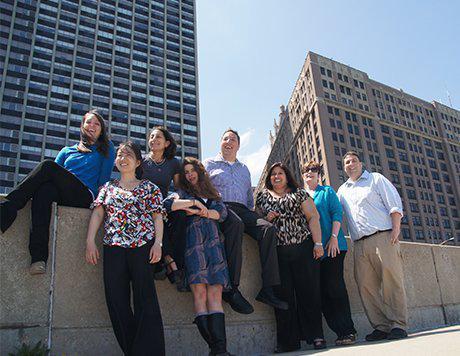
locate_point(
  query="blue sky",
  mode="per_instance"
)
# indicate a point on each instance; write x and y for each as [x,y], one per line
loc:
[250,53]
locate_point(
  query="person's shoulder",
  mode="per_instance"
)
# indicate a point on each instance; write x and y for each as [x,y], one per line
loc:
[72,148]
[378,177]
[329,190]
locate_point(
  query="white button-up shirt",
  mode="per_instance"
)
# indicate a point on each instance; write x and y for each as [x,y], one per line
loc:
[368,203]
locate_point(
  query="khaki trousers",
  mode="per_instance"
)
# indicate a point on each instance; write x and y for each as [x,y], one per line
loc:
[379,275]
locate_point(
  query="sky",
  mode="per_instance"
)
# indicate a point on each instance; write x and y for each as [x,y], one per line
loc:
[250,53]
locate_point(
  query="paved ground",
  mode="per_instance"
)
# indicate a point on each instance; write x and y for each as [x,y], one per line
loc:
[437,342]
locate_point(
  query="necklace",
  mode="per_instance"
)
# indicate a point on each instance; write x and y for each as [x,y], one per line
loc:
[158,164]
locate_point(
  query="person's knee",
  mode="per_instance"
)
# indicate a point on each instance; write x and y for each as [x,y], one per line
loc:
[200,294]
[48,164]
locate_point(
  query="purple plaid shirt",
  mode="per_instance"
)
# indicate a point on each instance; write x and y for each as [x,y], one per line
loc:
[233,181]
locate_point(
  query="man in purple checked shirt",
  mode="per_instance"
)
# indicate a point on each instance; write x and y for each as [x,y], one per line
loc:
[233,181]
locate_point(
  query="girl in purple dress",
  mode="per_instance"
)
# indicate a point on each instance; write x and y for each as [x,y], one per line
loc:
[205,263]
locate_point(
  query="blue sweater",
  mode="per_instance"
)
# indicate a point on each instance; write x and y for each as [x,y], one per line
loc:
[92,168]
[329,208]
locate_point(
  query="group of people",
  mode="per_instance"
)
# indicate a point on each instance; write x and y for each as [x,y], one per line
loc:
[188,218]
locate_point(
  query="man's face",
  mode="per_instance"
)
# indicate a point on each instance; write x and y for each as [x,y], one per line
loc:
[229,145]
[353,166]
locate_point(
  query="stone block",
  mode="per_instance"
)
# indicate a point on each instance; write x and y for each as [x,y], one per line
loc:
[12,339]
[452,314]
[419,275]
[422,318]
[85,342]
[25,298]
[78,287]
[447,263]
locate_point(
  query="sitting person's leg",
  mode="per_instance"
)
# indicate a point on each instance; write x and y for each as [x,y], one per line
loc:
[232,229]
[71,190]
[265,234]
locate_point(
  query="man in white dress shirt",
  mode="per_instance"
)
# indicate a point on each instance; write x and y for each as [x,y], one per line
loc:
[373,209]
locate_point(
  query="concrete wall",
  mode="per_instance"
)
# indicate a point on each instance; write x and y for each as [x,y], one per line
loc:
[66,306]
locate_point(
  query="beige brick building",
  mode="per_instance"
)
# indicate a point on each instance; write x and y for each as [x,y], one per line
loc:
[416,144]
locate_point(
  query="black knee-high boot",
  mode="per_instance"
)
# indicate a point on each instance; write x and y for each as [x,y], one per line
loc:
[201,322]
[216,324]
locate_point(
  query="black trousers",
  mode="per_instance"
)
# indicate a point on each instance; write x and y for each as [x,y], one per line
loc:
[239,218]
[47,183]
[140,332]
[174,237]
[300,288]
[334,296]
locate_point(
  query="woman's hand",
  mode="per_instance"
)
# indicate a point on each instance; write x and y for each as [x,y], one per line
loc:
[332,247]
[155,253]
[204,213]
[92,254]
[272,215]
[318,251]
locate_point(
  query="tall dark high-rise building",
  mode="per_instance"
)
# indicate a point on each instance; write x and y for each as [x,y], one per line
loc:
[135,61]
[335,108]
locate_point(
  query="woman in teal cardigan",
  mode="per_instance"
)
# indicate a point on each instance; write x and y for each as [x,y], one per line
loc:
[334,296]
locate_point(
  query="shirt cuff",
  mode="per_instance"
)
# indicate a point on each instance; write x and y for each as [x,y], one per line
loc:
[396,210]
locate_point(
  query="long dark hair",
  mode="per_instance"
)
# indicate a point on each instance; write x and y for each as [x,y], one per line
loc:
[102,143]
[291,182]
[205,188]
[137,153]
[170,151]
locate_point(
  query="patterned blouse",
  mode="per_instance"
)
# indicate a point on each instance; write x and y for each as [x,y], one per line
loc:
[292,225]
[128,220]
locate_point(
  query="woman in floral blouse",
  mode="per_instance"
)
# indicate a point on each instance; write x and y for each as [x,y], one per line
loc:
[132,214]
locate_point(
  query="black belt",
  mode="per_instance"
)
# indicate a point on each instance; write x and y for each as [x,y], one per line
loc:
[375,233]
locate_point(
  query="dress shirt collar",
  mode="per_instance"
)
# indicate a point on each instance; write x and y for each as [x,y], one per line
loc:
[220,158]
[364,175]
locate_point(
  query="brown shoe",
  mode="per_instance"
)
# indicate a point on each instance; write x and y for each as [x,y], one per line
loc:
[37,268]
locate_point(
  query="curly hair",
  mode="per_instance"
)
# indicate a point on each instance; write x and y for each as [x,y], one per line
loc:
[170,151]
[204,188]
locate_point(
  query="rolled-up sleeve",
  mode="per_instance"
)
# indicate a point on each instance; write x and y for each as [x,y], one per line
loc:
[168,202]
[335,208]
[389,194]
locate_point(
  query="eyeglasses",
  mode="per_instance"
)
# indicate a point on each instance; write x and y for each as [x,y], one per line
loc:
[311,169]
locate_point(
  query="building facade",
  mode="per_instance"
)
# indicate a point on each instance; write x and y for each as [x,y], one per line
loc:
[135,61]
[416,144]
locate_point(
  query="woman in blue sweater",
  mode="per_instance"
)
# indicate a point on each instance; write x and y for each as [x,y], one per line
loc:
[334,297]
[72,179]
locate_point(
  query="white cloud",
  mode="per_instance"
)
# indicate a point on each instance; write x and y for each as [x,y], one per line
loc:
[256,161]
[245,138]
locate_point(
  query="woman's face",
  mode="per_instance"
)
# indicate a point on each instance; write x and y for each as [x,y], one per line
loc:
[157,141]
[92,127]
[278,178]
[191,174]
[311,176]
[126,161]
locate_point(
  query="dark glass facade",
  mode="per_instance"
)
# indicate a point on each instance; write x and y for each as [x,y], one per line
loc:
[135,61]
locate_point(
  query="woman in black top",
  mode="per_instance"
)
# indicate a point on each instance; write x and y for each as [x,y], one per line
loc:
[294,214]
[162,168]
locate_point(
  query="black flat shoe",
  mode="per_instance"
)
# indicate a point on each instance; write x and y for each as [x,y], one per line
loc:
[267,296]
[377,335]
[396,334]
[8,214]
[237,302]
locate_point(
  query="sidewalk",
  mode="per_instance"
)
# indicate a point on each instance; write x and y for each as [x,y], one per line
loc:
[437,342]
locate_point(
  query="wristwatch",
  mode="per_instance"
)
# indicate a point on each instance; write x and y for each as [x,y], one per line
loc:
[160,243]
[333,235]
[318,244]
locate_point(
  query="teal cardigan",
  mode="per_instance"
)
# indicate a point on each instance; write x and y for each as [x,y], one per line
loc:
[329,208]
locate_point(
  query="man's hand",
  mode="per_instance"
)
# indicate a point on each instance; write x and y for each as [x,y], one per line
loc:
[394,237]
[332,247]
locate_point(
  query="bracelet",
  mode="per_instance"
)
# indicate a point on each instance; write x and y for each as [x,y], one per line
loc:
[318,244]
[159,243]
[333,235]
